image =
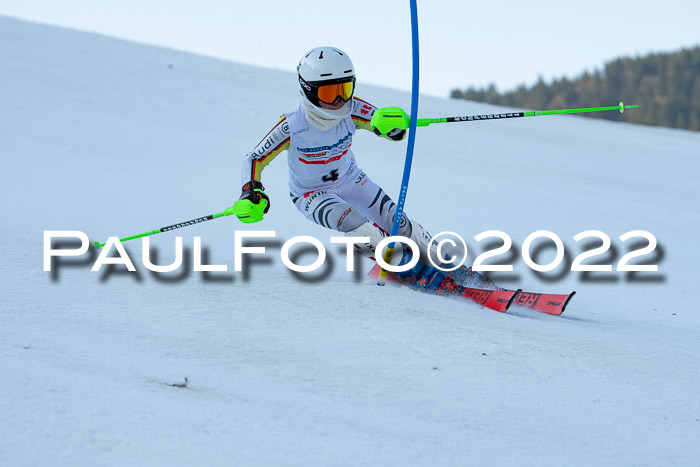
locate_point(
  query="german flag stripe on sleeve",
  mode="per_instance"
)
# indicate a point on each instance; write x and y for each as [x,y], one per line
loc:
[260,164]
[362,112]
[274,142]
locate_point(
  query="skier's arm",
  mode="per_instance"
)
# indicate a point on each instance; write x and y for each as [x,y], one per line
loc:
[275,142]
[254,202]
[362,113]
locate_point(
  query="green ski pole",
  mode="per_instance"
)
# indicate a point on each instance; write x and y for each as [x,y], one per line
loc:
[168,228]
[500,116]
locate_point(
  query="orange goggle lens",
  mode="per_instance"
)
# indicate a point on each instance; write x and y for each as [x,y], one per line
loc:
[329,92]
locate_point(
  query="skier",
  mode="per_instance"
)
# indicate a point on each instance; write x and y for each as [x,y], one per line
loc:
[325,182]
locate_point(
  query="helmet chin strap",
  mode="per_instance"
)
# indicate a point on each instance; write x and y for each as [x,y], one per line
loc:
[324,119]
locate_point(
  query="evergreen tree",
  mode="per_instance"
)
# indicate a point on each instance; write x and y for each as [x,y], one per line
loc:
[665,85]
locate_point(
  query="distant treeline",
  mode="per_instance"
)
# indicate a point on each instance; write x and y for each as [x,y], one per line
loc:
[666,86]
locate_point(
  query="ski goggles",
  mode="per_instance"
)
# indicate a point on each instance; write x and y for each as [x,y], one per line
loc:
[328,93]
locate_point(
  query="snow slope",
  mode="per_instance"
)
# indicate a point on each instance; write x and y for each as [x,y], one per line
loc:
[115,138]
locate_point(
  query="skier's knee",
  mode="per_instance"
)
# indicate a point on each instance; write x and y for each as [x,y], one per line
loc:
[405,227]
[350,220]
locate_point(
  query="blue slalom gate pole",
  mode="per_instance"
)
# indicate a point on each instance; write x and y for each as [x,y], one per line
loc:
[411,142]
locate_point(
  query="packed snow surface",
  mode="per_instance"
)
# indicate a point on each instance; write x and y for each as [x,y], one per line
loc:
[113,138]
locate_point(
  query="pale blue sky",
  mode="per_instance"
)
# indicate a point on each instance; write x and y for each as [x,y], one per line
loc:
[462,42]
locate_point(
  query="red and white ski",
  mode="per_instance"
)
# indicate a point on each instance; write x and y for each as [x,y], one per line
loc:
[553,304]
[497,299]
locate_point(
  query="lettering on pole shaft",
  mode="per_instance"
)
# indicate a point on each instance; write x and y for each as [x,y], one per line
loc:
[184,224]
[472,118]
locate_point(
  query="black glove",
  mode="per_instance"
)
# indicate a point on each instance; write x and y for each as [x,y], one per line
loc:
[396,134]
[254,191]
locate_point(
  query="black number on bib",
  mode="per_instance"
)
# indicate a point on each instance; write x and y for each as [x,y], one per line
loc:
[331,177]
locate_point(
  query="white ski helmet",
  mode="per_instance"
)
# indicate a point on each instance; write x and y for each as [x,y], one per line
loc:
[326,73]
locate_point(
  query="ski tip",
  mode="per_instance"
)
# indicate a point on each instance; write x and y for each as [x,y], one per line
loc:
[513,298]
[566,303]
[97,244]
